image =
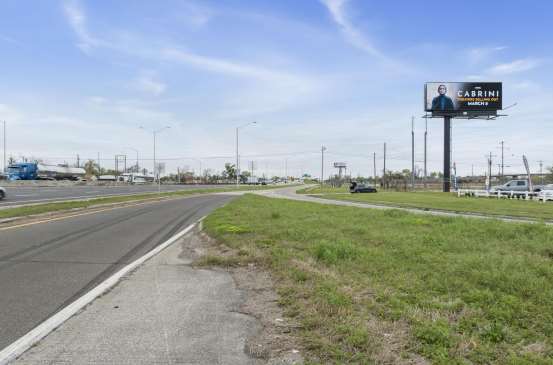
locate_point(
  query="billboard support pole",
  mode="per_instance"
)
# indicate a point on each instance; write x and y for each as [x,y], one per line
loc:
[425,137]
[447,154]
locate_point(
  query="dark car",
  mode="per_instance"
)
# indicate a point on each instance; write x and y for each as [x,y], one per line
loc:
[355,187]
[2,193]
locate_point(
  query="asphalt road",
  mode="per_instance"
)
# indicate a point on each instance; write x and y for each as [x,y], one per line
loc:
[46,266]
[31,194]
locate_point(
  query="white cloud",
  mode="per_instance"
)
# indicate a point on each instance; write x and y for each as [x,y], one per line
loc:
[514,66]
[481,54]
[273,90]
[77,20]
[97,100]
[10,114]
[353,36]
[337,9]
[7,39]
[194,14]
[225,67]
[147,82]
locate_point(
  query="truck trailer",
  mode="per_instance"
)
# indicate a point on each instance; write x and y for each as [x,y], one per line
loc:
[39,171]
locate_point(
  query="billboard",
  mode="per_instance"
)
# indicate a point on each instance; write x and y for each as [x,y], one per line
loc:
[460,98]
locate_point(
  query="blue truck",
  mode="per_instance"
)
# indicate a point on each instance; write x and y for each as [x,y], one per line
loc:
[38,171]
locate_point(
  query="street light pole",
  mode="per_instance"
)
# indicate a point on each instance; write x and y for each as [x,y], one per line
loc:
[156,175]
[237,169]
[135,150]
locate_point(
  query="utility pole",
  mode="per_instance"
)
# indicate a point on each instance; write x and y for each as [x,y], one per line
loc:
[490,167]
[454,176]
[472,170]
[237,155]
[425,138]
[78,161]
[541,171]
[201,171]
[4,166]
[412,153]
[323,148]
[286,169]
[374,167]
[502,160]
[237,161]
[99,168]
[384,169]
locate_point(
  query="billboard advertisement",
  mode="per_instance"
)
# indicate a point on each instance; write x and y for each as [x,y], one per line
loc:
[463,97]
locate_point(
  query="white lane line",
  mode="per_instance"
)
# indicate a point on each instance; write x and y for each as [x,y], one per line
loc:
[21,345]
[8,204]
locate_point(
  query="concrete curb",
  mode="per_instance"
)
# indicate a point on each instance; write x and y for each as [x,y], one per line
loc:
[21,345]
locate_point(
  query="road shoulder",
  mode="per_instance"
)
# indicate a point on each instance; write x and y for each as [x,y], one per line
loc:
[167,311]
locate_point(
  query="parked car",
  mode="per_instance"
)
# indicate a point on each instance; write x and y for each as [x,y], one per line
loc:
[517,185]
[546,193]
[513,185]
[2,193]
[355,187]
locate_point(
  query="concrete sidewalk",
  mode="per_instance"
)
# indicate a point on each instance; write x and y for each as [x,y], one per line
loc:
[166,312]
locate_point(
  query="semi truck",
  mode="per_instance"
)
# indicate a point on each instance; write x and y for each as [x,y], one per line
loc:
[39,171]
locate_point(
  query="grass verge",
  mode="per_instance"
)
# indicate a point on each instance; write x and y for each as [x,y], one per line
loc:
[372,286]
[443,201]
[66,205]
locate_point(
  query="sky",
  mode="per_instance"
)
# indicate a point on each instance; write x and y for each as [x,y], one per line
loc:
[79,77]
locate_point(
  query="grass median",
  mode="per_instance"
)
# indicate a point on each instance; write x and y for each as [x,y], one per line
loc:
[373,286]
[443,201]
[27,210]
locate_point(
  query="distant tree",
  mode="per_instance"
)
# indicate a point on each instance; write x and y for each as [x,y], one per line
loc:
[244,176]
[91,168]
[11,160]
[109,172]
[230,171]
[549,176]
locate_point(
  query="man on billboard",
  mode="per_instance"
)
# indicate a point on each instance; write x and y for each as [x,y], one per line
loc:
[442,102]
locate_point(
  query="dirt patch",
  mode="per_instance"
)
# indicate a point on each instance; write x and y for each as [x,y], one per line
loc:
[275,344]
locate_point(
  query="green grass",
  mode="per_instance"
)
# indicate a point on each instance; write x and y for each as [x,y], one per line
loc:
[370,286]
[443,201]
[66,205]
